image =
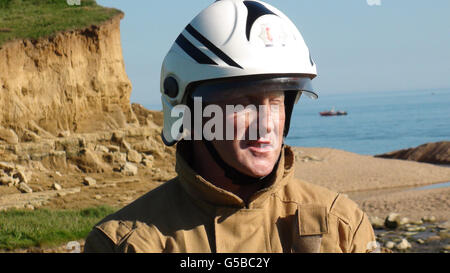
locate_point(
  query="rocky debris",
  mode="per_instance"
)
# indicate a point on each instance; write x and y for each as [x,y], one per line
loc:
[95,152]
[411,236]
[444,234]
[36,199]
[61,194]
[392,221]
[420,241]
[445,225]
[437,153]
[152,147]
[7,167]
[54,159]
[29,136]
[125,145]
[89,181]
[71,145]
[113,148]
[67,247]
[377,222]
[134,156]
[24,188]
[115,158]
[21,176]
[7,180]
[129,169]
[117,136]
[152,119]
[403,221]
[77,154]
[65,133]
[89,162]
[107,185]
[389,245]
[429,219]
[415,228]
[433,238]
[101,148]
[403,245]
[15,175]
[148,160]
[9,136]
[125,198]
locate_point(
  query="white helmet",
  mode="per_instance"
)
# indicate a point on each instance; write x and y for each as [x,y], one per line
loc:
[234,40]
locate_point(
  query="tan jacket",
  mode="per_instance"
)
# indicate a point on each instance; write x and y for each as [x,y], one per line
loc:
[190,214]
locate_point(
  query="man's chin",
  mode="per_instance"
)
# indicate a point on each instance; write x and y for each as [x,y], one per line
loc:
[259,169]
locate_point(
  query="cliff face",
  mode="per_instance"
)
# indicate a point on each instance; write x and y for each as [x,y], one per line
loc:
[74,81]
[65,112]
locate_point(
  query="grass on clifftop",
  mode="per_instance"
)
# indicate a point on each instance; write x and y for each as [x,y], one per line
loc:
[47,228]
[22,19]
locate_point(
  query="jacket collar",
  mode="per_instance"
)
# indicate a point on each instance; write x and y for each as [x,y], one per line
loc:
[208,194]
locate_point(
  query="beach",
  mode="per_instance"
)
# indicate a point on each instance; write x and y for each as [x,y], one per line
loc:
[379,186]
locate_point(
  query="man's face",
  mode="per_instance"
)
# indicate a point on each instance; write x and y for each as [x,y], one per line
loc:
[254,154]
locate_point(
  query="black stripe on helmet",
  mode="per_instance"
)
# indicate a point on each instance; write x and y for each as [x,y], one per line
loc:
[255,10]
[219,53]
[194,52]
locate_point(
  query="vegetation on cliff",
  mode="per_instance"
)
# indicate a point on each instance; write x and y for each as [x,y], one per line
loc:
[31,19]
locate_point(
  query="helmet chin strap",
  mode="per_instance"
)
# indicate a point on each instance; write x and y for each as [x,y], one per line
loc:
[237,177]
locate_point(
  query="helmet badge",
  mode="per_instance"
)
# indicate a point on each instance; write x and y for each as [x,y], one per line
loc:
[272,36]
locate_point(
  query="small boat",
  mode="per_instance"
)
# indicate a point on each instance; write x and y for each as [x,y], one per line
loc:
[328,113]
[332,112]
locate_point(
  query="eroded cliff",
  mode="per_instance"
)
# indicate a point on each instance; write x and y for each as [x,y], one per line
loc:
[74,81]
[65,113]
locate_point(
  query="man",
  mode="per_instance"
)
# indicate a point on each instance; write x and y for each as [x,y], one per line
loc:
[235,190]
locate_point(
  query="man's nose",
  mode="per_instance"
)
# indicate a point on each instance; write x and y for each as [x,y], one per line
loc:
[265,118]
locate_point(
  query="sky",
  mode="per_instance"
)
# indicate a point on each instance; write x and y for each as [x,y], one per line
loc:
[398,45]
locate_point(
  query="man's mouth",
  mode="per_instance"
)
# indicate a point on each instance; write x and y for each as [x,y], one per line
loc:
[260,146]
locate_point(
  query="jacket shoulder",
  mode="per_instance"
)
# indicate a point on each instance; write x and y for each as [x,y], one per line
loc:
[138,219]
[305,193]
[337,204]
[342,220]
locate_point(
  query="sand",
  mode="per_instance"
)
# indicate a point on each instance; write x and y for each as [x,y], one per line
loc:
[414,204]
[379,186]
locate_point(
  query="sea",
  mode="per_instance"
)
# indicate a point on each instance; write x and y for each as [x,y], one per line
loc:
[376,122]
